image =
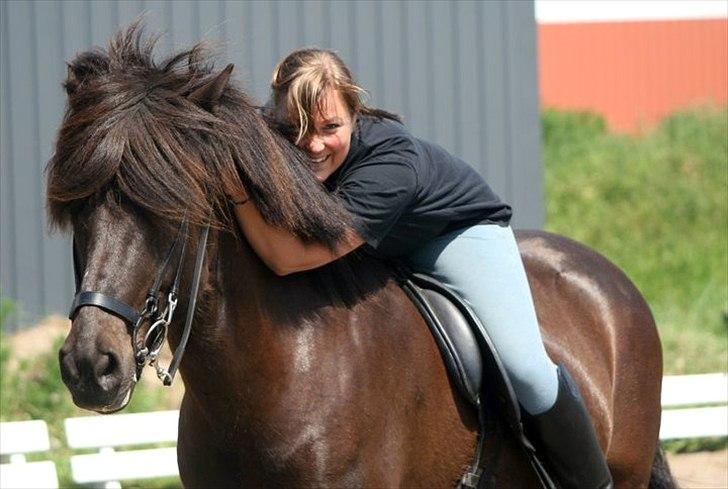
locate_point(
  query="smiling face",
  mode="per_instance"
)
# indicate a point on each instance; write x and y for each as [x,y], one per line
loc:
[329,137]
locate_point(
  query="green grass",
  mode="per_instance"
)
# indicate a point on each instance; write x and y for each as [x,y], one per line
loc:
[691,445]
[657,206]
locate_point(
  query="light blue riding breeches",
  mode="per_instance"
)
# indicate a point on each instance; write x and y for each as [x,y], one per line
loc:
[482,264]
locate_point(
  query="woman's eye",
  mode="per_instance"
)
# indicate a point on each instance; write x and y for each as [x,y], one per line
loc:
[331,127]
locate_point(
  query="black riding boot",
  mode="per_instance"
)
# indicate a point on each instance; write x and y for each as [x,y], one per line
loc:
[566,437]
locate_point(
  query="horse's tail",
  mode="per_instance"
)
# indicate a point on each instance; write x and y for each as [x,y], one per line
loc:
[661,477]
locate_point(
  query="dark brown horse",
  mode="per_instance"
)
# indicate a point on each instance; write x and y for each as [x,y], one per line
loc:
[322,379]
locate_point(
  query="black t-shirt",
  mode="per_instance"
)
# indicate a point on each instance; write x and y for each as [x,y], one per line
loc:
[404,191]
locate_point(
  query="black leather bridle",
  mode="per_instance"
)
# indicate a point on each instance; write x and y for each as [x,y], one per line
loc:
[147,349]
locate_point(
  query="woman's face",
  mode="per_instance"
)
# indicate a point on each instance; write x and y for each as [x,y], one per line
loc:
[328,140]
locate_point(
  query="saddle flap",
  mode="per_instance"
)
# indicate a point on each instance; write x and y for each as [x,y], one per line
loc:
[470,356]
[465,345]
[456,336]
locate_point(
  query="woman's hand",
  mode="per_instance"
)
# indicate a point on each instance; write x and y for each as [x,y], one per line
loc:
[239,197]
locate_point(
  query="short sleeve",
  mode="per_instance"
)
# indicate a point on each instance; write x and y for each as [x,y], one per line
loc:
[377,193]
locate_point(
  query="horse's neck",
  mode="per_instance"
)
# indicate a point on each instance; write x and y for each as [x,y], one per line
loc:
[247,319]
[259,325]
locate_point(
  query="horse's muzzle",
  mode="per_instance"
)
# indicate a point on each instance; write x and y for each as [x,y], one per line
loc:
[94,371]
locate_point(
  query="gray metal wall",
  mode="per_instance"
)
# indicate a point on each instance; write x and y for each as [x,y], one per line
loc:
[462,74]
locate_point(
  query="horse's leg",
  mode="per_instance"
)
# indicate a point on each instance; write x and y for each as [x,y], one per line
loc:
[201,462]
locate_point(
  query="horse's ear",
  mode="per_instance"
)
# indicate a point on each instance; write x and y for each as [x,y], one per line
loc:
[83,68]
[72,81]
[208,95]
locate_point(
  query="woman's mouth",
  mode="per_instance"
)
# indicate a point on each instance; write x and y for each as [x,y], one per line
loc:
[319,160]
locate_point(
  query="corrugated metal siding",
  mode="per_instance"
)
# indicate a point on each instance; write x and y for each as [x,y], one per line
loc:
[633,73]
[463,74]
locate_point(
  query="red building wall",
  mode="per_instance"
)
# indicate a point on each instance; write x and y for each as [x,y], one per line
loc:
[633,72]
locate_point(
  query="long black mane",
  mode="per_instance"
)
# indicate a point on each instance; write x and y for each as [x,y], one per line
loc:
[129,130]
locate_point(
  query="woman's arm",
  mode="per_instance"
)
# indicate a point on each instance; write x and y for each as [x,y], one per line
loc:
[280,250]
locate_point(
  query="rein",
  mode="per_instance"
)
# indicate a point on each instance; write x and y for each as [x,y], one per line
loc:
[147,350]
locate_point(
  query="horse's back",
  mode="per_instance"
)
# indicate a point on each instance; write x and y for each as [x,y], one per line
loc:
[594,320]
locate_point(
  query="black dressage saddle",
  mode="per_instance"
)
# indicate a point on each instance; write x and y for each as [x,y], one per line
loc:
[472,363]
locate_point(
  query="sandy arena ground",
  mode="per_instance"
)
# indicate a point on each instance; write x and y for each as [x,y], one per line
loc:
[700,470]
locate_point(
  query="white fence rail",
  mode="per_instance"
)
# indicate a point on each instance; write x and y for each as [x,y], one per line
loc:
[108,433]
[681,416]
[18,438]
[684,390]
[694,406]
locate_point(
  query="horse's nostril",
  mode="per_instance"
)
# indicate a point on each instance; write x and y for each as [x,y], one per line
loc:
[104,365]
[106,371]
[69,372]
[111,364]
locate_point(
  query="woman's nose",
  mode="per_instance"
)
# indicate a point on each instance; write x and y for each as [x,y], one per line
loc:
[315,145]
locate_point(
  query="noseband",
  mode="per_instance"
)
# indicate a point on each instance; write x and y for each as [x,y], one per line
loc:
[147,349]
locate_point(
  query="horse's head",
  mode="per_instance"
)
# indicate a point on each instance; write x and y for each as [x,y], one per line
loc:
[133,175]
[117,253]
[146,143]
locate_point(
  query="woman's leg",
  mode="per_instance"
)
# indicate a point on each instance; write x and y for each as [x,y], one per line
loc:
[482,264]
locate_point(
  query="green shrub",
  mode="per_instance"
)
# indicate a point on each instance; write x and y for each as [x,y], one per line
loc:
[7,309]
[562,129]
[657,206]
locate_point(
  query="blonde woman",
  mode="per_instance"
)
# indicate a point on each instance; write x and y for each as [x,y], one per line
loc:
[413,201]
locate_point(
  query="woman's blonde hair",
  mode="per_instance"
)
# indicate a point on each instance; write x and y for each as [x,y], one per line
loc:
[302,78]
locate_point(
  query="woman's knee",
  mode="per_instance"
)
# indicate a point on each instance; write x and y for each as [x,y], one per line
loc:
[536,385]
[532,372]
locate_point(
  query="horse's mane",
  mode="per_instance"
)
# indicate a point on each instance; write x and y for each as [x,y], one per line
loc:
[130,132]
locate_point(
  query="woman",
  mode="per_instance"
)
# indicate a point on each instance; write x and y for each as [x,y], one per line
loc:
[413,201]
